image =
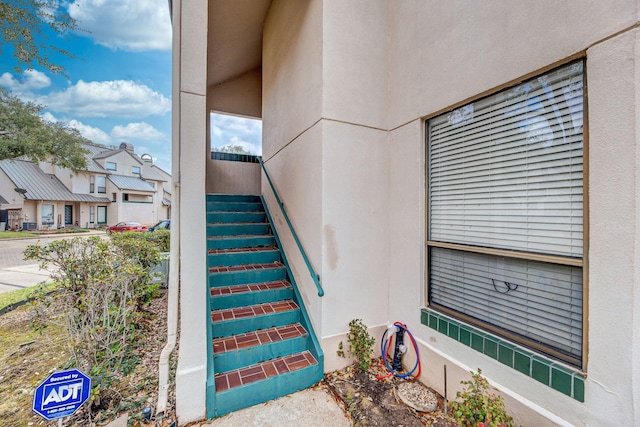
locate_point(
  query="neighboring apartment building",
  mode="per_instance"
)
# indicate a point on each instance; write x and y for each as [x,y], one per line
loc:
[117,185]
[444,167]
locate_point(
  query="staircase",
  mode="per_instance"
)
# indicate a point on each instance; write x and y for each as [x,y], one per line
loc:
[262,343]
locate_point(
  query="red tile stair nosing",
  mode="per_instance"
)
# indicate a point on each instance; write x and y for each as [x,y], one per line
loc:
[240,250]
[253,310]
[251,287]
[259,337]
[245,267]
[263,370]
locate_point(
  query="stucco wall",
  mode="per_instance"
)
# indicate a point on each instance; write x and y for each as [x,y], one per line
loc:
[291,72]
[446,53]
[387,67]
[226,177]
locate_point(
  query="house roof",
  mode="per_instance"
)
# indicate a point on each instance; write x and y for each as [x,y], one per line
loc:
[41,186]
[149,172]
[92,165]
[104,153]
[3,201]
[166,202]
[130,183]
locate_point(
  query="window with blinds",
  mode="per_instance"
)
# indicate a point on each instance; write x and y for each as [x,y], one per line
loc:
[505,207]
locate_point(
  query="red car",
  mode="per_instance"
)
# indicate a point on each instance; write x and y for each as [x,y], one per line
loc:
[126,226]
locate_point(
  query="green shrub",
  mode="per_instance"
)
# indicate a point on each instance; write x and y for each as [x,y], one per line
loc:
[476,406]
[103,286]
[360,344]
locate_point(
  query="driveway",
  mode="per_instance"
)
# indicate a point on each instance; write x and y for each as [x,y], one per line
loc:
[15,272]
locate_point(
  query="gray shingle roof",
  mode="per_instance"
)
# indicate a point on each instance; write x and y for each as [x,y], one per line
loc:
[130,183]
[41,186]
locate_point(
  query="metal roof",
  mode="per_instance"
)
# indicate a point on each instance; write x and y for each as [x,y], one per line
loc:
[41,186]
[149,172]
[3,201]
[94,150]
[166,202]
[130,183]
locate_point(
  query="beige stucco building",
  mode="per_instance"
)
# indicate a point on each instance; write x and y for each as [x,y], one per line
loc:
[117,185]
[518,254]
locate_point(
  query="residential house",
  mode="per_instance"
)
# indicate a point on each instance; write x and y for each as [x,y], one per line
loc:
[471,169]
[117,186]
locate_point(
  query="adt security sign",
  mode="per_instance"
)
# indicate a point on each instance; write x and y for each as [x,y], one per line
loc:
[61,394]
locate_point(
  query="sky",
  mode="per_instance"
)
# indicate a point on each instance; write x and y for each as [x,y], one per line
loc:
[118,86]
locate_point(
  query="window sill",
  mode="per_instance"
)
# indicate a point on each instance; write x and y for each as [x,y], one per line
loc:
[559,377]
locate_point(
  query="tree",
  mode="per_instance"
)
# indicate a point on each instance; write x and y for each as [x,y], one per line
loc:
[235,149]
[24,133]
[24,25]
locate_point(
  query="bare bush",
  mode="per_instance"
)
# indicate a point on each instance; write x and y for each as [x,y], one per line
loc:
[102,286]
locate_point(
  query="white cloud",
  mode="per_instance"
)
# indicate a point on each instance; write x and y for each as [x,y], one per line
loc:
[236,125]
[91,133]
[123,98]
[232,130]
[136,131]
[247,146]
[48,117]
[124,24]
[30,80]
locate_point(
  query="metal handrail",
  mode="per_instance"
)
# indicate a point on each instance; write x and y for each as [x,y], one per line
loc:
[314,275]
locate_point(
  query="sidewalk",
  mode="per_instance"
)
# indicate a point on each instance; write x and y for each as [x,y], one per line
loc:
[24,276]
[53,236]
[313,407]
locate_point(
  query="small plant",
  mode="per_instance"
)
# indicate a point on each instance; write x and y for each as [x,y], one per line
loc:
[360,344]
[477,407]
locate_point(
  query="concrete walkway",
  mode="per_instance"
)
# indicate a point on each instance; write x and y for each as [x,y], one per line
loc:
[314,407]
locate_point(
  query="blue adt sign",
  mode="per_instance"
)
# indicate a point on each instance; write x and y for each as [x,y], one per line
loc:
[61,394]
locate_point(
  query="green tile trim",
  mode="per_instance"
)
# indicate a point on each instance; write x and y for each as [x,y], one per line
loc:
[559,377]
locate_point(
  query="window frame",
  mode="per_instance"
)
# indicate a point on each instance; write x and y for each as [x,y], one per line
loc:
[99,211]
[569,261]
[52,208]
[111,166]
[101,189]
[136,170]
[92,184]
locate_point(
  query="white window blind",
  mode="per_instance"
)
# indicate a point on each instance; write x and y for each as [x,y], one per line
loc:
[539,301]
[506,172]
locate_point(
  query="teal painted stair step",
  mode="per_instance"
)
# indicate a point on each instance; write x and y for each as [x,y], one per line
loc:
[238,229]
[233,198]
[231,217]
[250,294]
[236,257]
[252,347]
[247,241]
[250,273]
[258,383]
[234,206]
[262,344]
[238,320]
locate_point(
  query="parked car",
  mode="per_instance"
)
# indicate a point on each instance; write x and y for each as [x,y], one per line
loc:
[165,224]
[126,226]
